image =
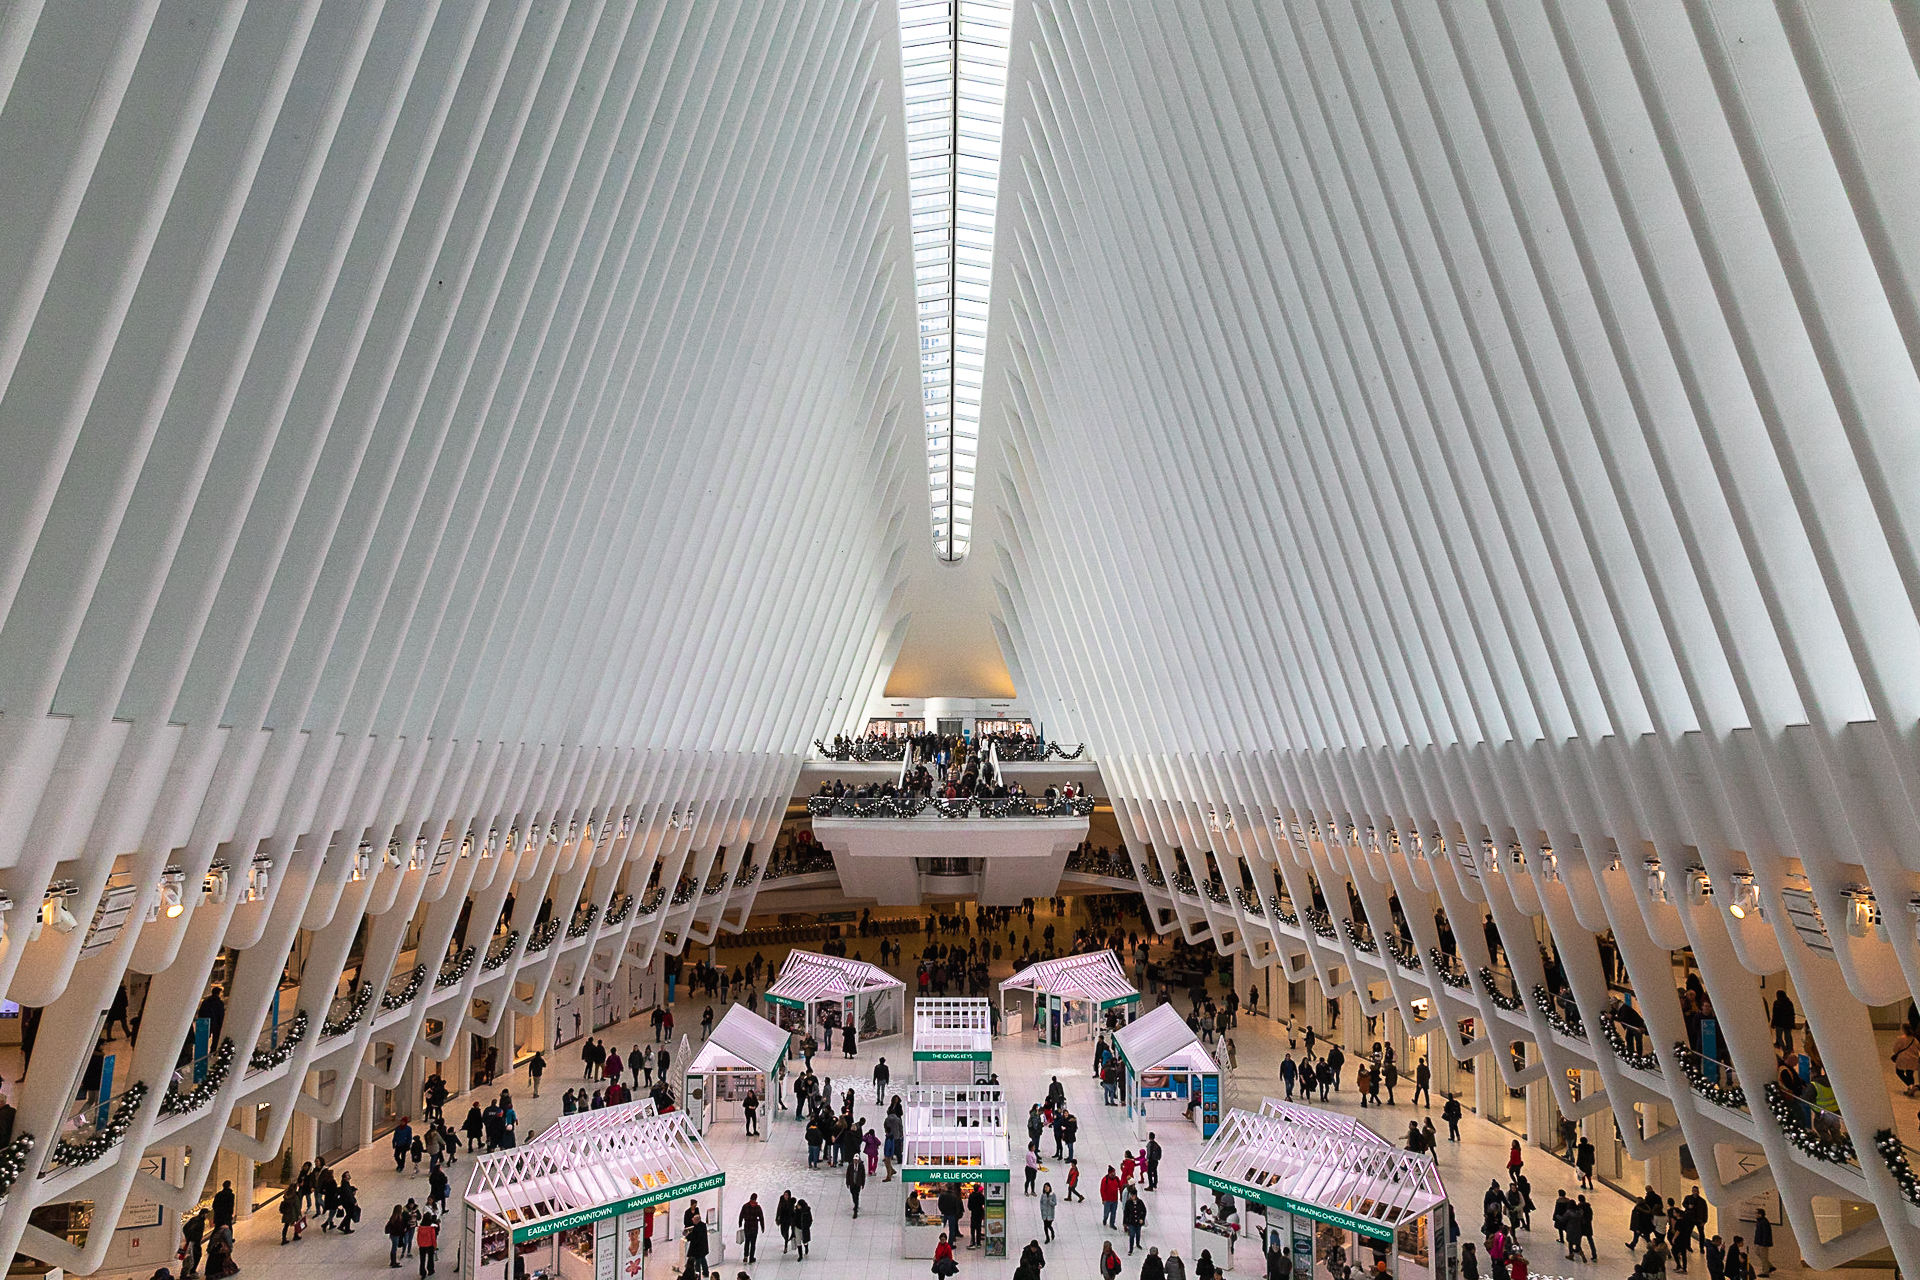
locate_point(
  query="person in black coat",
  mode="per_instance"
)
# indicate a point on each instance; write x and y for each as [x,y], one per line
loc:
[223,1205]
[856,1179]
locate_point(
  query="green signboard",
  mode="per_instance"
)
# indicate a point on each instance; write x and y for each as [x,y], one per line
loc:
[1119,1000]
[961,1174]
[1319,1213]
[953,1055]
[581,1217]
[788,1001]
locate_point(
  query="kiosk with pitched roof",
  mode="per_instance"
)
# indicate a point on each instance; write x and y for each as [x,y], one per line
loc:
[952,1040]
[1317,1180]
[745,1054]
[955,1137]
[1167,1074]
[584,1197]
[817,995]
[1071,996]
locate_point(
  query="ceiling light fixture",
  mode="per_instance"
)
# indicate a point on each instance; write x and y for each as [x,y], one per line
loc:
[1746,896]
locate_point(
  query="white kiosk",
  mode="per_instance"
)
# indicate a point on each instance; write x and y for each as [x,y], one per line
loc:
[1320,1181]
[817,995]
[592,1195]
[955,1137]
[745,1054]
[952,1040]
[1071,996]
[1167,1075]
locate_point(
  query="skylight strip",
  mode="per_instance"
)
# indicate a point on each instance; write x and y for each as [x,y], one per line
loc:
[954,55]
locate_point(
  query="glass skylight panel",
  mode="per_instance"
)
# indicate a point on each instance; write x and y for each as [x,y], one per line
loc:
[954,59]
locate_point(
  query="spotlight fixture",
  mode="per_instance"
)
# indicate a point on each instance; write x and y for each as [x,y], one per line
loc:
[58,916]
[1863,913]
[392,856]
[1746,896]
[1490,856]
[487,845]
[1699,886]
[172,903]
[417,858]
[259,879]
[218,881]
[1549,864]
[1656,881]
[626,825]
[362,862]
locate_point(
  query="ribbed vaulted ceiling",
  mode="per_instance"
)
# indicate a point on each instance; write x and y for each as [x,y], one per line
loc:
[1415,437]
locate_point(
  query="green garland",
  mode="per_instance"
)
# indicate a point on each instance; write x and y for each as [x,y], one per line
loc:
[622,904]
[330,1029]
[1550,1010]
[1648,1061]
[1890,1148]
[268,1059]
[452,973]
[500,952]
[389,1002]
[583,921]
[1404,953]
[13,1162]
[1362,944]
[176,1103]
[1321,922]
[1731,1096]
[1510,1003]
[72,1155]
[1786,1114]
[1458,981]
[543,937]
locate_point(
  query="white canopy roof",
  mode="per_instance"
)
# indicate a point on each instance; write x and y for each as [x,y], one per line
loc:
[1325,1166]
[956,1027]
[808,976]
[742,1042]
[955,1106]
[1152,1038]
[584,1123]
[1094,975]
[605,1163]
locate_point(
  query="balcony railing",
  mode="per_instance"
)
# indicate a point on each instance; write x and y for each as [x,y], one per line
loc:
[1361,936]
[85,1139]
[210,1069]
[619,909]
[543,936]
[1623,1047]
[583,919]
[1452,972]
[799,860]
[346,1011]
[863,750]
[1023,750]
[1816,1131]
[1561,1013]
[453,970]
[402,988]
[1250,902]
[275,1045]
[1502,999]
[912,805]
[1404,953]
[499,951]
[1715,1081]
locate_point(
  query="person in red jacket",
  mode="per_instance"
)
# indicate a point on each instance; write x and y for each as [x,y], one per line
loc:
[1109,1197]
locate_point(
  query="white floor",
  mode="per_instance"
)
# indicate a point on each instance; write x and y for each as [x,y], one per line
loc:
[871,1243]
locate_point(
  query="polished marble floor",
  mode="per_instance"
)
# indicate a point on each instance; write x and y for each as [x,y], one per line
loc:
[870,1245]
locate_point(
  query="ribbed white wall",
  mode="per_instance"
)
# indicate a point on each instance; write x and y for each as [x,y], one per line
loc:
[421,420]
[1487,422]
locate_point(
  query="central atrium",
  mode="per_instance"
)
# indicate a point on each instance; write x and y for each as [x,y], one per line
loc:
[622,623]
